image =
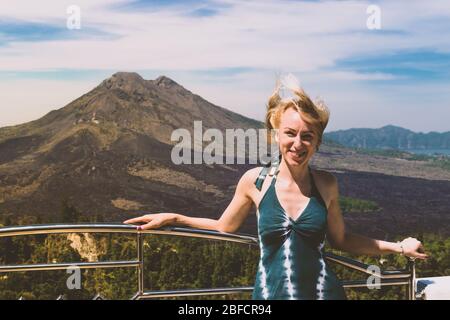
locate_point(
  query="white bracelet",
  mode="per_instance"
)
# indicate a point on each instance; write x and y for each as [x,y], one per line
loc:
[401,247]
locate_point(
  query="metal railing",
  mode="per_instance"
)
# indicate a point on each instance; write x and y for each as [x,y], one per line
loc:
[387,278]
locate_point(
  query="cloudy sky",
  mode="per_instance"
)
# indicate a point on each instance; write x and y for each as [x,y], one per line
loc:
[230,53]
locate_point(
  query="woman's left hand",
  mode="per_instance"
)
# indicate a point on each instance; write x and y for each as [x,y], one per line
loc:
[413,248]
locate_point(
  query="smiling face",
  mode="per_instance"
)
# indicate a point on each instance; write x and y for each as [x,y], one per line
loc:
[297,139]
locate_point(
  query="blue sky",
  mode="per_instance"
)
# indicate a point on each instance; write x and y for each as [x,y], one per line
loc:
[406,65]
[230,53]
[13,31]
[197,8]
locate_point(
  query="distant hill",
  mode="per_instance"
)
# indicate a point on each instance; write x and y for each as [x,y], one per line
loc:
[390,137]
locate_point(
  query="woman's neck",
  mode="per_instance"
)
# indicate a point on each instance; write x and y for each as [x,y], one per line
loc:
[298,174]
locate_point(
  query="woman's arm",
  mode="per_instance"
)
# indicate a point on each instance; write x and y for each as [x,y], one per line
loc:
[340,239]
[158,220]
[231,219]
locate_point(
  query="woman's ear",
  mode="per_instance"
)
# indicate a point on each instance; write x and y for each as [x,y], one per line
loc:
[276,135]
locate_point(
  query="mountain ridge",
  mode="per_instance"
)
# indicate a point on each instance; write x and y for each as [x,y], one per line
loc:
[390,137]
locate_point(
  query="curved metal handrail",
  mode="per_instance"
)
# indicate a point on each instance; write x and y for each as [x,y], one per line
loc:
[123,228]
[365,268]
[389,278]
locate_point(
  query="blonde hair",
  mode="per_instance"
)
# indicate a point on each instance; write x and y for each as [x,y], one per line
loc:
[315,113]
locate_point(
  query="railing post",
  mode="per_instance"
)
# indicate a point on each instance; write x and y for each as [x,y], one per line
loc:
[412,279]
[140,257]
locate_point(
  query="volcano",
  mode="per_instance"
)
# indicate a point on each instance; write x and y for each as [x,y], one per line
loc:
[107,154]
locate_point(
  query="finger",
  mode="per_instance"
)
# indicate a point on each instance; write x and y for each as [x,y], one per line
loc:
[423,256]
[151,225]
[133,220]
[138,219]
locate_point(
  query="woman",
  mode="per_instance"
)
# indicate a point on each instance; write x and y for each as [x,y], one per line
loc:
[297,208]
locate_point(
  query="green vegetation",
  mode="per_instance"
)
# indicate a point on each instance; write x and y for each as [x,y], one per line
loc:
[173,262]
[348,204]
[441,162]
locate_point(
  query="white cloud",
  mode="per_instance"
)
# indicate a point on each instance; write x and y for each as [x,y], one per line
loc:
[264,36]
[267,34]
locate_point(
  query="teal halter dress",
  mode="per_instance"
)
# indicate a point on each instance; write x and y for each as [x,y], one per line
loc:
[292,264]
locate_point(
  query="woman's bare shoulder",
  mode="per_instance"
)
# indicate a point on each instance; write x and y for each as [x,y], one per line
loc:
[325,179]
[249,179]
[326,183]
[251,175]
[246,184]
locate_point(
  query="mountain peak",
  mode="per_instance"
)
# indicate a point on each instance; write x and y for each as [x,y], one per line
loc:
[123,80]
[134,80]
[127,76]
[391,127]
[165,82]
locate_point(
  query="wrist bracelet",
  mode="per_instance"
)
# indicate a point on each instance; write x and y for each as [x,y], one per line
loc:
[401,247]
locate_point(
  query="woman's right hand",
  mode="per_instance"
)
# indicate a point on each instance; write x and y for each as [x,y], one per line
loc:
[153,220]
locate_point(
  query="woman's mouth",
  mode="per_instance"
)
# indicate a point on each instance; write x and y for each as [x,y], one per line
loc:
[298,155]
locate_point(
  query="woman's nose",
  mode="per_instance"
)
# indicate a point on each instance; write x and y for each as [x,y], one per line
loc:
[298,143]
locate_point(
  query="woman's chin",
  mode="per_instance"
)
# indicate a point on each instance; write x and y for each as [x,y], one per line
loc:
[295,161]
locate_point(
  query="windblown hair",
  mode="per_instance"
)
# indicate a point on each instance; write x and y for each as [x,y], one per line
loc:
[314,113]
